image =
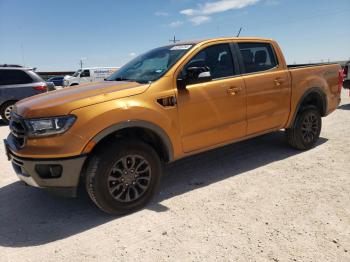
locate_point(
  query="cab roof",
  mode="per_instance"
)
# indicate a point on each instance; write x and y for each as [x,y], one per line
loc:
[202,41]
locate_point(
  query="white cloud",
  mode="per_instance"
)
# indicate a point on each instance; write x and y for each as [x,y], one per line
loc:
[161,13]
[176,23]
[132,54]
[217,7]
[198,20]
[187,12]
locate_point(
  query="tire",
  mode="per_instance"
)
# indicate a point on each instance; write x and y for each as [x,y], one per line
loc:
[5,111]
[306,129]
[132,166]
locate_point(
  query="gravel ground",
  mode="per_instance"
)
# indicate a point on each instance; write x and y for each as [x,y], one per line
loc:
[256,200]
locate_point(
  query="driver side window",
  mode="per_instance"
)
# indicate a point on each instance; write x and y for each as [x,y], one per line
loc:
[85,73]
[217,59]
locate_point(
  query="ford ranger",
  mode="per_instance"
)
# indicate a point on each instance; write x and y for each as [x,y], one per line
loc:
[169,103]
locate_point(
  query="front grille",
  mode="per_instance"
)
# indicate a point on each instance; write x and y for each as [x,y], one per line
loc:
[18,130]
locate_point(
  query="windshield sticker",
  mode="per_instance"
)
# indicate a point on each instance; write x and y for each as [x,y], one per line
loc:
[181,47]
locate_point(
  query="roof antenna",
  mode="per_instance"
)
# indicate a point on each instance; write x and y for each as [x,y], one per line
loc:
[239,32]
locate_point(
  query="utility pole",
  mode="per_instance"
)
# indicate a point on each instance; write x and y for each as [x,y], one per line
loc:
[81,63]
[174,40]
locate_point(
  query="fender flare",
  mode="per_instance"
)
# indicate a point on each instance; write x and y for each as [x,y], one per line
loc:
[308,92]
[138,124]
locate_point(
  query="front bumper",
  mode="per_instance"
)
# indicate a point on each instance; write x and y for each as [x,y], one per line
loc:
[60,176]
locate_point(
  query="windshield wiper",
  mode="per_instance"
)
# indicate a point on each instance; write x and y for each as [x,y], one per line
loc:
[126,79]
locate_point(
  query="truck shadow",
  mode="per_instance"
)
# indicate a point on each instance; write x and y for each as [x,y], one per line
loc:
[344,107]
[31,217]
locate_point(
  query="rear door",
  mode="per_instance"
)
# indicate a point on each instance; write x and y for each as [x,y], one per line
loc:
[213,112]
[268,87]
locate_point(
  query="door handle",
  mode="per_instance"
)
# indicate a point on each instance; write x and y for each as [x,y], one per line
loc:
[279,81]
[233,90]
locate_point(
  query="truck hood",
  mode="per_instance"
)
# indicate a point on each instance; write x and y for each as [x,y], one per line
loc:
[63,101]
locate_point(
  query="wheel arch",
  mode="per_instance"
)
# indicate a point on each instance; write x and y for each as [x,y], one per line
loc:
[313,96]
[7,101]
[146,131]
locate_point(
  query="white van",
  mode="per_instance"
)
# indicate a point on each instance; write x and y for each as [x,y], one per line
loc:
[91,74]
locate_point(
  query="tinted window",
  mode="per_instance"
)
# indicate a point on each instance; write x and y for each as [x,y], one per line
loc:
[217,58]
[257,56]
[14,77]
[151,65]
[35,76]
[85,73]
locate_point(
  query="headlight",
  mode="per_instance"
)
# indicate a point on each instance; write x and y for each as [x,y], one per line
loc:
[49,126]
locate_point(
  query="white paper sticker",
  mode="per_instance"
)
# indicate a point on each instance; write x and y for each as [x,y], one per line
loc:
[181,47]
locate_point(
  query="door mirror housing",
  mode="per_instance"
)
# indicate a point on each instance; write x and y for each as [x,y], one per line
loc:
[198,74]
[193,75]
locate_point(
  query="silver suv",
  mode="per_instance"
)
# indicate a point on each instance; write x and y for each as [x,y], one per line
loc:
[17,83]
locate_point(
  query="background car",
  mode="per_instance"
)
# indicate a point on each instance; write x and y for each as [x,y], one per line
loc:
[57,80]
[17,83]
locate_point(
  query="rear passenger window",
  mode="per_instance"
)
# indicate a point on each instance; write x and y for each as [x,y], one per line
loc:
[14,77]
[257,57]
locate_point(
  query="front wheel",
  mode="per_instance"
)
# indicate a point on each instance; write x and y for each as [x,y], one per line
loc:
[306,129]
[6,110]
[123,176]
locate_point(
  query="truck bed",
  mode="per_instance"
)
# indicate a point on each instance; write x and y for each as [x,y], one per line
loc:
[308,65]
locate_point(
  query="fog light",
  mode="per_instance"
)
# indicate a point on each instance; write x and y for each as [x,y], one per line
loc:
[49,171]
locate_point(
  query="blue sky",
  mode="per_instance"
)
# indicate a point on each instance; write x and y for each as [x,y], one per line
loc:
[56,34]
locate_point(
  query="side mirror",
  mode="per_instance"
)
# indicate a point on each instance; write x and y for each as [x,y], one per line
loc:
[193,75]
[50,86]
[197,75]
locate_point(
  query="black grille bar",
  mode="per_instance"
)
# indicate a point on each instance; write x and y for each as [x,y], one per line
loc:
[18,130]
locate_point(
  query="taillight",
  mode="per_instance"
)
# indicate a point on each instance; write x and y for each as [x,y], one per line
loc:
[42,88]
[340,80]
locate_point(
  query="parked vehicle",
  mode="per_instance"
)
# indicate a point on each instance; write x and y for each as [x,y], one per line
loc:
[17,83]
[346,76]
[169,103]
[85,75]
[57,80]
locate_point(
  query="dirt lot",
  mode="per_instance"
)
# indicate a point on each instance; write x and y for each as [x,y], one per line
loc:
[257,200]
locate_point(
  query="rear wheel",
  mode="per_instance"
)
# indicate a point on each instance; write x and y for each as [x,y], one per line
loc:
[306,129]
[6,110]
[123,176]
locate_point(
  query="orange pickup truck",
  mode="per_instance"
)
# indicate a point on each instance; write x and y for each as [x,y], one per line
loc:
[169,103]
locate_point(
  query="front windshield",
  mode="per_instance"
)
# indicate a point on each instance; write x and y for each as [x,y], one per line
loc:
[77,73]
[150,66]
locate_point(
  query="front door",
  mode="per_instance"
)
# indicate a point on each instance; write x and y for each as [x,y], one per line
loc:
[214,111]
[85,76]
